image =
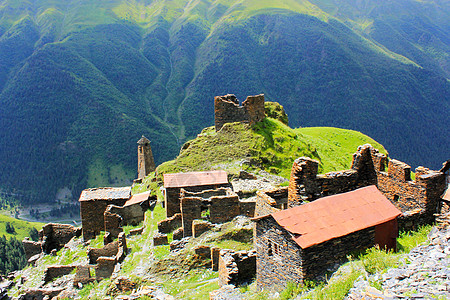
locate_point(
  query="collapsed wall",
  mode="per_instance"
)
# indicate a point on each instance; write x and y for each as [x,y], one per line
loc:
[418,199]
[228,110]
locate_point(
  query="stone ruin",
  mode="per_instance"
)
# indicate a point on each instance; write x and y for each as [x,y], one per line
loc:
[108,209]
[418,199]
[52,237]
[236,268]
[215,206]
[228,110]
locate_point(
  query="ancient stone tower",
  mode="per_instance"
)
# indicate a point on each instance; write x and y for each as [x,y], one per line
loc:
[146,164]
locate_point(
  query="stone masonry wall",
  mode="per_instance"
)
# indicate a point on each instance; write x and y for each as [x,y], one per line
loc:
[108,250]
[92,216]
[275,268]
[117,216]
[31,248]
[53,272]
[227,110]
[173,196]
[113,223]
[270,201]
[55,236]
[369,168]
[191,209]
[236,267]
[224,208]
[170,224]
[317,259]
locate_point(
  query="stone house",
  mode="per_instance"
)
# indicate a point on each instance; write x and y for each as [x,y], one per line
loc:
[191,182]
[93,203]
[303,242]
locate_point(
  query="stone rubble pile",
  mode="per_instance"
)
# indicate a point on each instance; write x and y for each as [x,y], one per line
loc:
[425,274]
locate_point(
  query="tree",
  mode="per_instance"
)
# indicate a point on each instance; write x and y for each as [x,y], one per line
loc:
[34,235]
[10,228]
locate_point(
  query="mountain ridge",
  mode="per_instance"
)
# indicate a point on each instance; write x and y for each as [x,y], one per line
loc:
[98,76]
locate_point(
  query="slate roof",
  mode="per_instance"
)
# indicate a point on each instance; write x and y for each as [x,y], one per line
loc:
[446,195]
[143,140]
[106,193]
[195,179]
[335,216]
[138,198]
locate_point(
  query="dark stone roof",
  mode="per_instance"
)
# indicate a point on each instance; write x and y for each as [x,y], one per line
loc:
[107,193]
[143,141]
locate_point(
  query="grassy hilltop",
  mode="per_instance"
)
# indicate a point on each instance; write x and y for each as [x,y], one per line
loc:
[81,81]
[269,145]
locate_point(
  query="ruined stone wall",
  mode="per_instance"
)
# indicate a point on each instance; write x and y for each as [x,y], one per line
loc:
[53,272]
[247,208]
[92,216]
[55,236]
[317,259]
[270,201]
[275,268]
[227,110]
[170,224]
[173,195]
[191,209]
[108,250]
[236,267]
[224,208]
[113,224]
[369,168]
[31,248]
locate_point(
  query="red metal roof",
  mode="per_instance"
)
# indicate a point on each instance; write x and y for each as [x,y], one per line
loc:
[138,198]
[195,179]
[335,216]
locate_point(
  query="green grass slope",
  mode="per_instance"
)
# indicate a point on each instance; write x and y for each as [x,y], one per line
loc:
[22,228]
[81,81]
[268,145]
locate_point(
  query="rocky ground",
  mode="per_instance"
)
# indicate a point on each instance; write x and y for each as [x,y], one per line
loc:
[425,274]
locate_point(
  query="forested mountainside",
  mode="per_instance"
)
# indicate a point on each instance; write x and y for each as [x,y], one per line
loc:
[82,80]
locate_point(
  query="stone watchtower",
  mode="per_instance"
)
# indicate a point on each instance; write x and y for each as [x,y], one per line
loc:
[146,164]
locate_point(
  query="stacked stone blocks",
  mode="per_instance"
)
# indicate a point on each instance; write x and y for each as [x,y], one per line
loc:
[228,110]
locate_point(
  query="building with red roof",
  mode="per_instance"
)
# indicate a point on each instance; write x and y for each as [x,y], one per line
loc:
[303,242]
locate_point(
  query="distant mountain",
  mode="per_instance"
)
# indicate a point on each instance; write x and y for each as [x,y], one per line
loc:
[82,80]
